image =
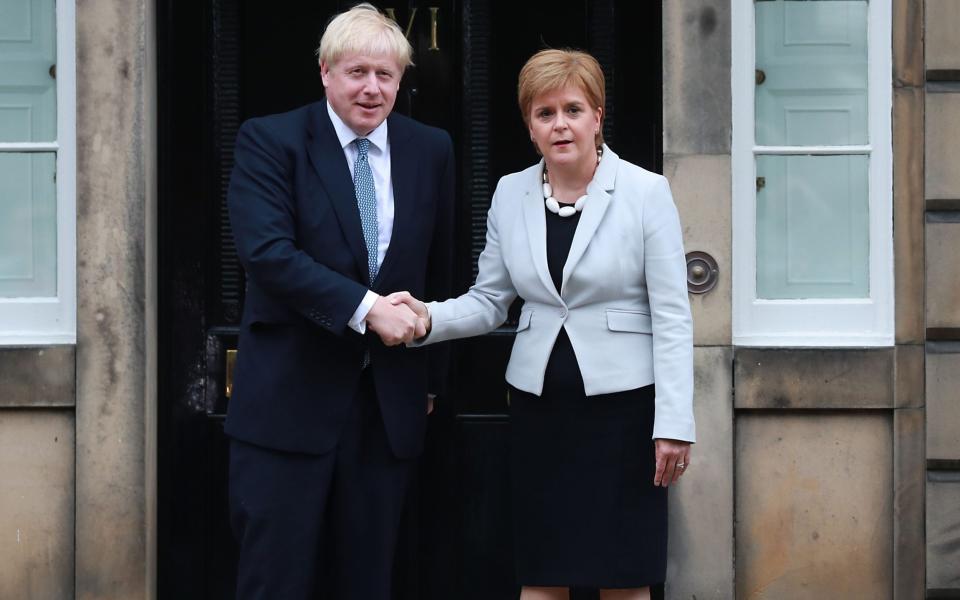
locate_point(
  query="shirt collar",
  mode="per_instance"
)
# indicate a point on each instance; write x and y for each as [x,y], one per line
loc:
[345,135]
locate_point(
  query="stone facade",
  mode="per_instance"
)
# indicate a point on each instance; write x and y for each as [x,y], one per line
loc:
[76,426]
[816,470]
[116,316]
[942,193]
[804,423]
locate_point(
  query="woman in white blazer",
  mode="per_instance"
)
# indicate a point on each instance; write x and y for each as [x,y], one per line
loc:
[593,245]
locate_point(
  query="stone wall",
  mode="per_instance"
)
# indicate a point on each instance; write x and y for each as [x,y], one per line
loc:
[116,316]
[76,428]
[37,492]
[696,161]
[942,192]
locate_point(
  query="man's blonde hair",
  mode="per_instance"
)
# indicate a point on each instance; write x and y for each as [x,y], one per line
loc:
[364,30]
[550,70]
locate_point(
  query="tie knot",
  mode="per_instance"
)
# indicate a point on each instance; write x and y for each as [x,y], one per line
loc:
[363,144]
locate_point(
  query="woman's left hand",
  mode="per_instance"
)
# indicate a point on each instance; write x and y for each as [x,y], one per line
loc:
[673,459]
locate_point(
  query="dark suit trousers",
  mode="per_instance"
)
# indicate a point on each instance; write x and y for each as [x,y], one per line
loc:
[298,517]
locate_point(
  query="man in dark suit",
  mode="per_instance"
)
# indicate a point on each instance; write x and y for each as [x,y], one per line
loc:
[332,205]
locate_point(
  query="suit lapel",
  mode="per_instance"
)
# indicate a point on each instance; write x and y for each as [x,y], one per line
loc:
[403,173]
[598,199]
[327,157]
[536,223]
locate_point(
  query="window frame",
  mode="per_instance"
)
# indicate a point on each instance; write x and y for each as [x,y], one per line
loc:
[837,322]
[32,321]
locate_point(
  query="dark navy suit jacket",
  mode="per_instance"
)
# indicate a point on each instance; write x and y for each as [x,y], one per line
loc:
[298,235]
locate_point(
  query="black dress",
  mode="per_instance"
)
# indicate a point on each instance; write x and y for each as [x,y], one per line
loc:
[586,512]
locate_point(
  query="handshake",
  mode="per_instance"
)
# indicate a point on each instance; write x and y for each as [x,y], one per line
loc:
[399,318]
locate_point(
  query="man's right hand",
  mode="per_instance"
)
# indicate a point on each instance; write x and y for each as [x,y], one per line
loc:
[394,323]
[418,307]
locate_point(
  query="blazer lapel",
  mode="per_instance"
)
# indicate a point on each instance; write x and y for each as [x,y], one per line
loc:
[536,223]
[403,173]
[328,160]
[595,207]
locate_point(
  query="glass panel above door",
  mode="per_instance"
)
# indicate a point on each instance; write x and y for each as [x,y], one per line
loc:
[811,72]
[28,56]
[813,227]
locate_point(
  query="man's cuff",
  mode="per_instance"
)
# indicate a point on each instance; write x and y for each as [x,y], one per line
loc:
[358,321]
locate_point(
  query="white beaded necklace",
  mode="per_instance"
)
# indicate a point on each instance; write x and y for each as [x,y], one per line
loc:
[551,202]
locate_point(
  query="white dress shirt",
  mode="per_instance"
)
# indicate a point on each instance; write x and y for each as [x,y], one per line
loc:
[378,156]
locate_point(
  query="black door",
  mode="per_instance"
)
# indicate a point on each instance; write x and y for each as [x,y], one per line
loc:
[222,61]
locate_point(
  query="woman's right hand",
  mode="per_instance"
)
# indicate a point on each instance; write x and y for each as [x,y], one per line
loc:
[418,307]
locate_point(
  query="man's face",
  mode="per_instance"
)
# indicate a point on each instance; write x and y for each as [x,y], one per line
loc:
[362,89]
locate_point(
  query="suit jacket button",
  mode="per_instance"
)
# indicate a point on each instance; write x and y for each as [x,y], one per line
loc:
[563,313]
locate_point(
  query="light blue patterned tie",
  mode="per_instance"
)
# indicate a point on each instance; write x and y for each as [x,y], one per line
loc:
[367,203]
[366,193]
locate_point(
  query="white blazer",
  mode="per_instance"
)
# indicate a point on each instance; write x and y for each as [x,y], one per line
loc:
[623,298]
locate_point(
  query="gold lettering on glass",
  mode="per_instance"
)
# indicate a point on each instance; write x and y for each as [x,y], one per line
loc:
[433,28]
[391,12]
[434,24]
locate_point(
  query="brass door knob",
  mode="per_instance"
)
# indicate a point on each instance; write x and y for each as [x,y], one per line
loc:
[231,363]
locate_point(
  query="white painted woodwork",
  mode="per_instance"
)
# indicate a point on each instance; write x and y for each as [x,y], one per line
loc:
[28,94]
[37,172]
[813,248]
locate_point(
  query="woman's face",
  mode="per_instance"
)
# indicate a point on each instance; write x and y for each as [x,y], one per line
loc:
[563,125]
